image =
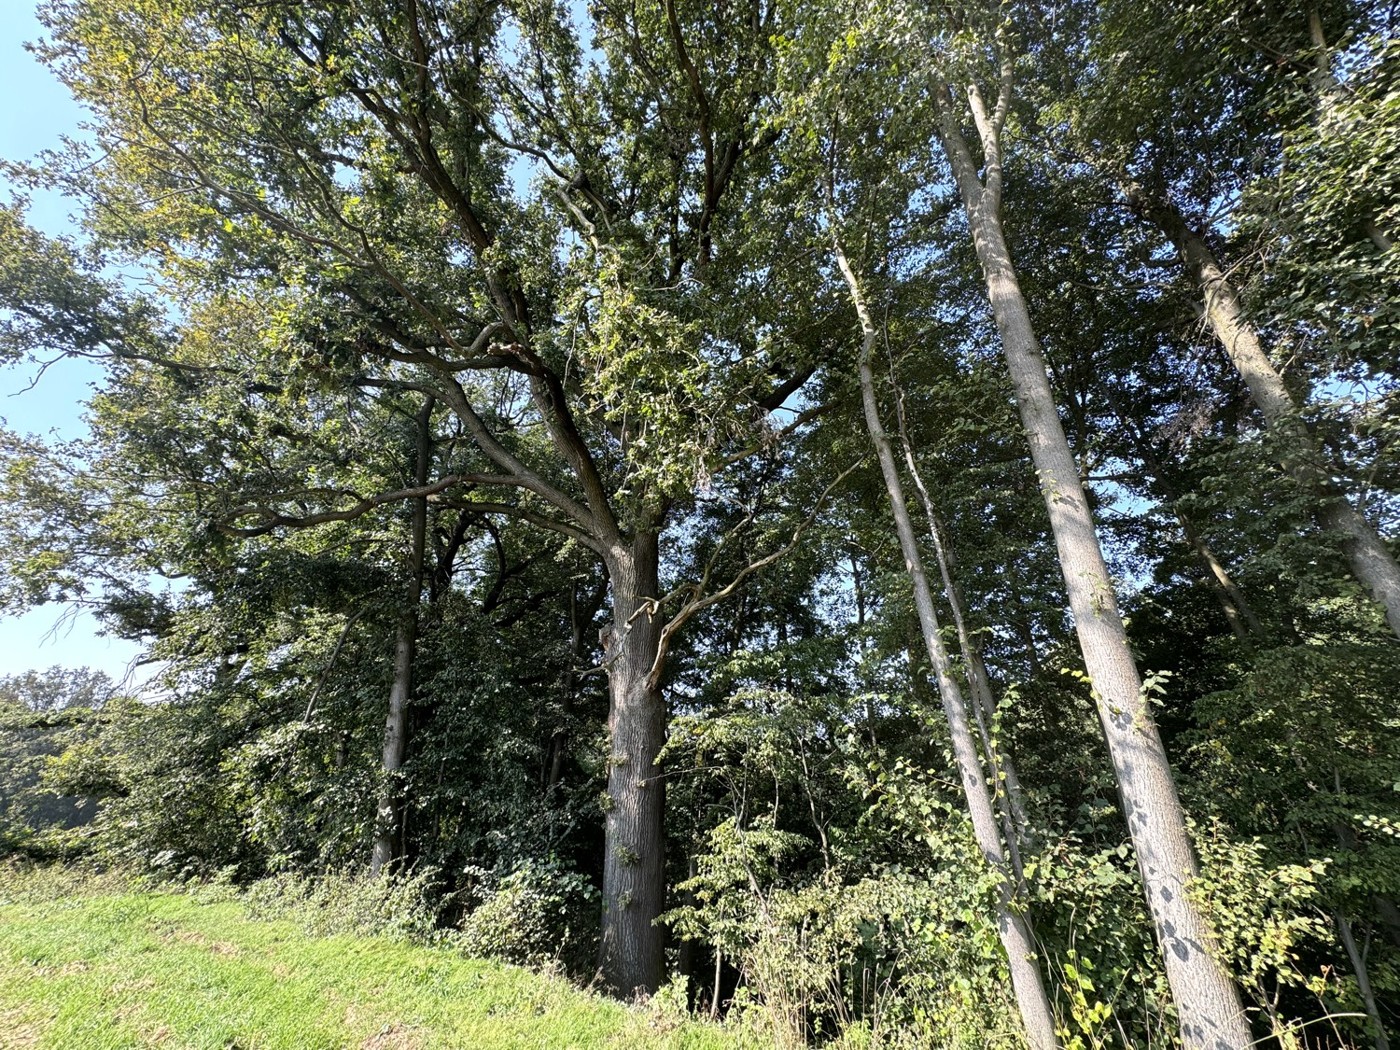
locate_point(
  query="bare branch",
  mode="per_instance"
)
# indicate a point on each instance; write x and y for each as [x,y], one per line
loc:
[544,521]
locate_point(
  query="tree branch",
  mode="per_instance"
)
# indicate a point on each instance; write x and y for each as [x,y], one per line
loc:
[699,605]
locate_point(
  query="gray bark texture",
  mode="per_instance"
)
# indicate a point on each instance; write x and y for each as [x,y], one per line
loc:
[1012,925]
[1379,1038]
[1011,806]
[1370,559]
[388,825]
[1207,1001]
[634,885]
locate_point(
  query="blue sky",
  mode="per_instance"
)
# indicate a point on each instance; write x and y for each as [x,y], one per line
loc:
[38,110]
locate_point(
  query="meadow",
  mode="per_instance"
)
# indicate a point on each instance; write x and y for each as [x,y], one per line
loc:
[106,966]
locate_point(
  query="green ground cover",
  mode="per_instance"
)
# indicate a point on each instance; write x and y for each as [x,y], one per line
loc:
[138,969]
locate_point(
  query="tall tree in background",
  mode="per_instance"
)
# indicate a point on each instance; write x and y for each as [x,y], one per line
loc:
[389,817]
[837,147]
[1015,929]
[1274,73]
[362,161]
[1210,1010]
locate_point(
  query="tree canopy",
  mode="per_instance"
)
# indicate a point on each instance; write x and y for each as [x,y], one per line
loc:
[883,513]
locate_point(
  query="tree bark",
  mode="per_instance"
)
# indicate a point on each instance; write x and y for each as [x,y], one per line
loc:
[389,815]
[1012,925]
[1208,1003]
[1389,916]
[634,885]
[1011,806]
[1379,1039]
[1370,559]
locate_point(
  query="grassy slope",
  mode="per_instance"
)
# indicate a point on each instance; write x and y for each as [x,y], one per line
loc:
[149,969]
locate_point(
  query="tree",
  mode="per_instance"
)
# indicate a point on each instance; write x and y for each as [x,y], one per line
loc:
[478,381]
[388,839]
[1015,930]
[356,166]
[42,713]
[1163,178]
[1209,1004]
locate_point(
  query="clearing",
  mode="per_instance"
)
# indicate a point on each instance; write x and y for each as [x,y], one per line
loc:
[140,969]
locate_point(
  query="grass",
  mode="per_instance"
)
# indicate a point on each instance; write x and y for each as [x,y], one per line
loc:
[104,968]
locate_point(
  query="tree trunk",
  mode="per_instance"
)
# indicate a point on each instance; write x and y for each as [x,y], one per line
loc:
[1370,559]
[1389,916]
[389,815]
[579,619]
[1012,925]
[634,842]
[1207,1001]
[1008,794]
[1238,612]
[1379,1039]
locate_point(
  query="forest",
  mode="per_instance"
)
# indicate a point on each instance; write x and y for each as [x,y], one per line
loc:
[880,515]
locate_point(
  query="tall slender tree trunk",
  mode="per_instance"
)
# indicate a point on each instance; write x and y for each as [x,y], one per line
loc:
[1012,925]
[1370,559]
[582,610]
[1329,98]
[1238,612]
[1356,958]
[634,841]
[1207,1000]
[1009,796]
[1379,1038]
[389,815]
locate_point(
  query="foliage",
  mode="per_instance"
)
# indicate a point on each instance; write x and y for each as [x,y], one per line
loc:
[536,914]
[44,716]
[573,267]
[404,907]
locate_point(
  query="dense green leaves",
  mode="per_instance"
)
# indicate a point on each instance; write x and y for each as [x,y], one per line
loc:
[597,245]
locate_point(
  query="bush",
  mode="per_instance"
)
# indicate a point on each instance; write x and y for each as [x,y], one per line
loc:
[878,958]
[24,880]
[408,906]
[538,914]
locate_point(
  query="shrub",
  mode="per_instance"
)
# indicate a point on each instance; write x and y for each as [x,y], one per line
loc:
[539,913]
[408,906]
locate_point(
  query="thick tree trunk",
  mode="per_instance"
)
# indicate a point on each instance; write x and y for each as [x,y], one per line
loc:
[1207,1001]
[389,815]
[634,885]
[1012,925]
[1370,559]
